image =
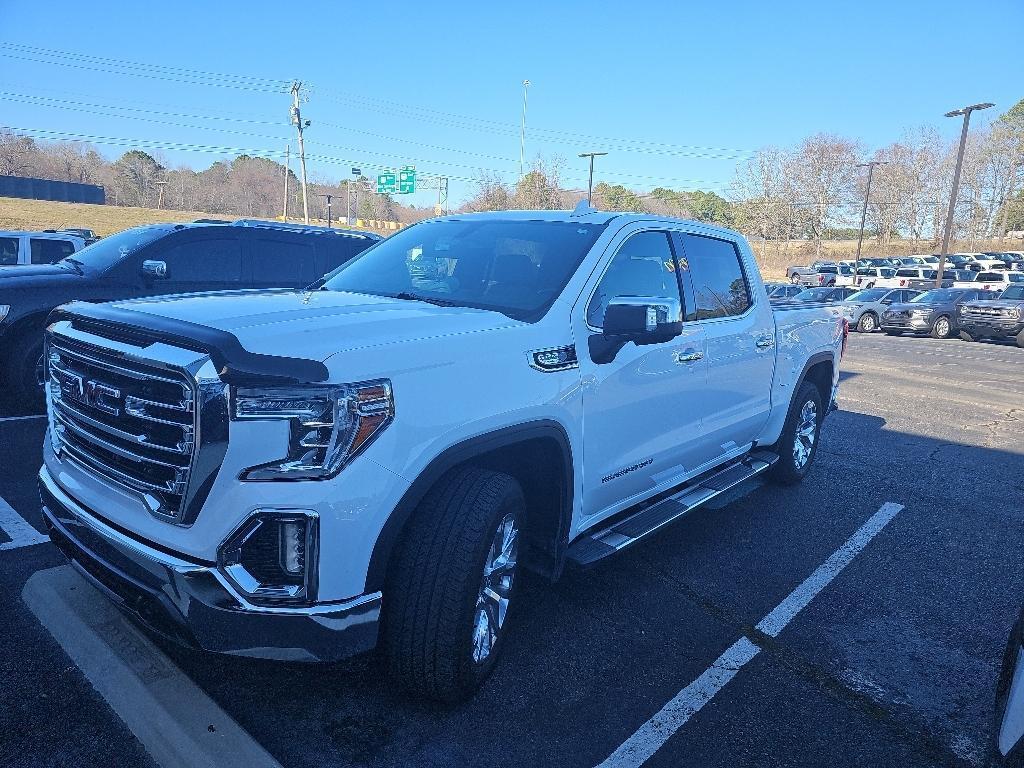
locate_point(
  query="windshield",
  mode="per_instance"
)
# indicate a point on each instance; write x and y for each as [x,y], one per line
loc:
[104,253]
[938,296]
[1013,292]
[872,294]
[515,267]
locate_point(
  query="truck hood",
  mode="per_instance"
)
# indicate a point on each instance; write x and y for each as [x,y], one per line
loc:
[317,324]
[27,275]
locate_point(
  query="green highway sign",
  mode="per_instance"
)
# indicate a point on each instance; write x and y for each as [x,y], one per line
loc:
[407,180]
[387,183]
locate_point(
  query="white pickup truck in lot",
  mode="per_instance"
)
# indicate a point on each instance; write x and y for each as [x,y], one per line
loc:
[306,475]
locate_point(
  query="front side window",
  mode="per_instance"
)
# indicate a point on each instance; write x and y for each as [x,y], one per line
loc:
[719,283]
[281,262]
[204,261]
[49,251]
[643,266]
[8,251]
[514,266]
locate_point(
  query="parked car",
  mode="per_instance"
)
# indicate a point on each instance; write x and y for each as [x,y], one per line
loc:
[1001,317]
[88,235]
[784,292]
[1009,730]
[877,277]
[863,309]
[810,275]
[823,295]
[158,259]
[935,312]
[877,262]
[19,247]
[376,465]
[949,278]
[905,274]
[912,261]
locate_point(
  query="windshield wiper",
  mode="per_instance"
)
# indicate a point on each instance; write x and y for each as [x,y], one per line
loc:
[407,296]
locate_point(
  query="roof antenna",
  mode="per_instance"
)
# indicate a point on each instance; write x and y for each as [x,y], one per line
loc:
[583,208]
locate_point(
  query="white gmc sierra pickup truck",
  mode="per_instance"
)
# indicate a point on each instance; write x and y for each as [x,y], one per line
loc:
[306,475]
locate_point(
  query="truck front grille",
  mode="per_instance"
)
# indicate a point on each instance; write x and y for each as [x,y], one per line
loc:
[988,313]
[132,423]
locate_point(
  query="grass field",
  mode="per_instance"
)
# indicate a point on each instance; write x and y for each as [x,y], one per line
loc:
[107,219]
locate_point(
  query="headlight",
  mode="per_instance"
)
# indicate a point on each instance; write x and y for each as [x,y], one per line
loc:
[329,426]
[4,310]
[920,312]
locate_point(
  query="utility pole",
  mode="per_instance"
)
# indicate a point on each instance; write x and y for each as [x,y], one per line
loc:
[287,170]
[522,133]
[966,112]
[328,208]
[356,173]
[590,181]
[296,119]
[864,211]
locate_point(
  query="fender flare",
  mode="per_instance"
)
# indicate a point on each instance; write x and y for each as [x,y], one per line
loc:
[459,453]
[813,360]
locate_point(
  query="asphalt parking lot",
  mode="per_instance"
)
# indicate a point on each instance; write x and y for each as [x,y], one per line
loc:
[889,657]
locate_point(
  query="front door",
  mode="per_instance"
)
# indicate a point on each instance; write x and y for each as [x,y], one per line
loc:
[642,410]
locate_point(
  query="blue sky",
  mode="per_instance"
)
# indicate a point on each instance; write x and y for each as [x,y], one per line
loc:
[676,92]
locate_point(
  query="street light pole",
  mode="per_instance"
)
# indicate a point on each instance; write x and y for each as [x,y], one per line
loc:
[966,112]
[522,133]
[864,211]
[590,181]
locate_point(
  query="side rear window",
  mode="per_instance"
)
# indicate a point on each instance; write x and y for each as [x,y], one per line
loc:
[906,273]
[204,261]
[8,251]
[986,277]
[279,261]
[48,251]
[719,282]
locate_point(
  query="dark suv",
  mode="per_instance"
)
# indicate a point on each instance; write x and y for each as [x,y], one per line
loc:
[154,260]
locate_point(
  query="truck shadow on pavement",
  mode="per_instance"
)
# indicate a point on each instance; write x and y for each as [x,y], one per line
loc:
[895,663]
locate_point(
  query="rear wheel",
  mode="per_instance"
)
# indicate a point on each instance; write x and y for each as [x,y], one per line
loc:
[798,443]
[448,595]
[868,322]
[942,328]
[795,279]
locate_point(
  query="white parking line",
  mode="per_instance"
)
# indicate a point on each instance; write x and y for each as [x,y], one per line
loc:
[20,533]
[177,723]
[650,737]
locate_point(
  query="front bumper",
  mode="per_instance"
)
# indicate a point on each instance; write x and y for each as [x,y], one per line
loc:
[915,324]
[997,329]
[190,602]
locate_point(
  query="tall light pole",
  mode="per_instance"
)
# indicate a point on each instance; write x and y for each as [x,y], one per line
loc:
[864,211]
[522,132]
[590,182]
[966,112]
[300,124]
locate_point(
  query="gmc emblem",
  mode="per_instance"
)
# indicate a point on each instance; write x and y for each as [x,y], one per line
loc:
[92,393]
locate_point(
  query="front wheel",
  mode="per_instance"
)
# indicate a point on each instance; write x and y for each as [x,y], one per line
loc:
[24,373]
[868,322]
[942,328]
[967,337]
[798,443]
[1020,339]
[448,596]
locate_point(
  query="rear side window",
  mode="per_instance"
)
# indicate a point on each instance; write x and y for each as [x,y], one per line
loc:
[8,251]
[719,283]
[277,261]
[906,273]
[204,261]
[986,277]
[47,251]
[643,266]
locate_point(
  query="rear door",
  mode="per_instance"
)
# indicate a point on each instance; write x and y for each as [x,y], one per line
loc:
[739,334]
[281,260]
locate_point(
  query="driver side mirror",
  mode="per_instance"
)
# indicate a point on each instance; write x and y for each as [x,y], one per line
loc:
[154,270]
[640,319]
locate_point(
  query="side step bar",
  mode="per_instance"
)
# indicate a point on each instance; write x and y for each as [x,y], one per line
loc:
[599,544]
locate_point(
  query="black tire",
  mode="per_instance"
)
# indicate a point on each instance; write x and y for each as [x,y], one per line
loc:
[795,279]
[966,336]
[24,370]
[872,320]
[1020,339]
[942,330]
[431,594]
[788,470]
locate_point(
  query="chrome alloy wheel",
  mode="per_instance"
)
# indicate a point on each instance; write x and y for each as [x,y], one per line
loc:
[806,434]
[495,587]
[942,327]
[867,323]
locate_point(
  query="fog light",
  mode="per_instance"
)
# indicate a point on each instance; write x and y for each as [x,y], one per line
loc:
[272,557]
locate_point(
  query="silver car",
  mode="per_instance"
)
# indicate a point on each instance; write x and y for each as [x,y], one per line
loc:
[863,309]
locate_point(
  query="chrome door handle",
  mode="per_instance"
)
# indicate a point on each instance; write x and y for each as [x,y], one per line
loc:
[765,342]
[689,356]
